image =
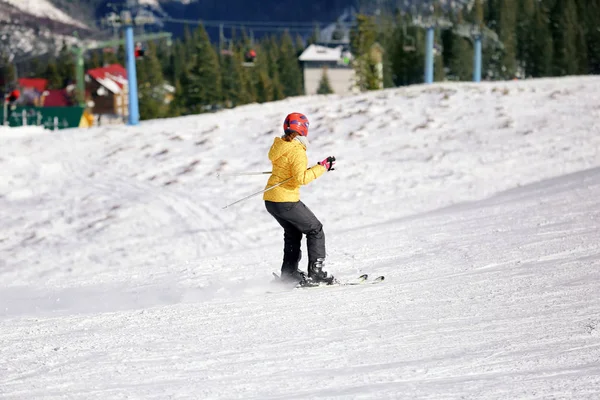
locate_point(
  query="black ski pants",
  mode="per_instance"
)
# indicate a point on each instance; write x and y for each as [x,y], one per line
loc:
[297,219]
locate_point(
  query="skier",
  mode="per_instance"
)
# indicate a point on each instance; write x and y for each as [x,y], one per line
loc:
[288,156]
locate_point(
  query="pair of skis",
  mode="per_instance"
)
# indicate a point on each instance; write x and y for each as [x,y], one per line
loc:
[361,280]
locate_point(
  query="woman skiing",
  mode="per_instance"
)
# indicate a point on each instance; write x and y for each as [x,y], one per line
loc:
[288,155]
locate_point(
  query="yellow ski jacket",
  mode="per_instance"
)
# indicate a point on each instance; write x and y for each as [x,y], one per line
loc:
[289,160]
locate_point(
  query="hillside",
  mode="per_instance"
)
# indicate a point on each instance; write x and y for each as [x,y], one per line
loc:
[41,9]
[29,28]
[123,276]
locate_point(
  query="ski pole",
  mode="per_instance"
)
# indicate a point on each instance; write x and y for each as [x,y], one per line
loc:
[219,175]
[257,193]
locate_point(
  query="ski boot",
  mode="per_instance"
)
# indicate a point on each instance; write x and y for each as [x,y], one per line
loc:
[290,274]
[296,277]
[316,274]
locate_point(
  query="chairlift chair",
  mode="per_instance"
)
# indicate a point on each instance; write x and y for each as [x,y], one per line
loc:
[249,58]
[409,46]
[139,50]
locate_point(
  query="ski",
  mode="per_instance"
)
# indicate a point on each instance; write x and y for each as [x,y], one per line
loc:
[379,279]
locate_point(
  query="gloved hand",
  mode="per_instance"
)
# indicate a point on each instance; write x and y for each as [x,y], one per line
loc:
[328,163]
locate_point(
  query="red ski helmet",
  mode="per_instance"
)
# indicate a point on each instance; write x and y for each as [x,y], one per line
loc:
[296,122]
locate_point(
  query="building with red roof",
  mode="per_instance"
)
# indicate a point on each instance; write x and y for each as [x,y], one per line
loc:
[107,87]
[38,84]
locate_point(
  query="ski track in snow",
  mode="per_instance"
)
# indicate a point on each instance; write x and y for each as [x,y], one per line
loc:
[122,276]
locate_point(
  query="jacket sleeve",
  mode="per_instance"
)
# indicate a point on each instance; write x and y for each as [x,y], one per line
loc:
[300,172]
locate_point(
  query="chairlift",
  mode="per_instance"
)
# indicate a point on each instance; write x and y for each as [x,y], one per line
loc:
[409,41]
[249,58]
[139,50]
[409,45]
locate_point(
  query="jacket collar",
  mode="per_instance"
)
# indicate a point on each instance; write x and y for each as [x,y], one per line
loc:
[303,140]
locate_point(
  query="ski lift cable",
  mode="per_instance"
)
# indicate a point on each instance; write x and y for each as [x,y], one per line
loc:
[251,23]
[209,22]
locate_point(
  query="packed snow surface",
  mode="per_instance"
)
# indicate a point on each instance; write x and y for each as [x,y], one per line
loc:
[122,275]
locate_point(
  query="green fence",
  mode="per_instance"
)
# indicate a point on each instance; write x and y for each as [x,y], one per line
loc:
[50,117]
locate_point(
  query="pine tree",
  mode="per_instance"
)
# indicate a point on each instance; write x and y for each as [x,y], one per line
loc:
[386,39]
[233,87]
[398,51]
[109,57]
[189,44]
[447,37]
[581,47]
[461,54]
[177,107]
[245,41]
[478,14]
[589,10]
[299,50]
[388,76]
[583,29]
[315,36]
[188,36]
[54,78]
[178,62]
[290,74]
[247,76]
[525,21]
[461,63]
[93,61]
[406,52]
[491,14]
[542,46]
[37,69]
[121,55]
[164,52]
[299,43]
[151,84]
[438,65]
[8,73]
[271,53]
[565,35]
[247,81]
[264,86]
[362,39]
[66,65]
[324,85]
[202,91]
[507,27]
[228,86]
[416,64]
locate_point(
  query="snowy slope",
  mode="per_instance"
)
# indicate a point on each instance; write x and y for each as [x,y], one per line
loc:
[122,276]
